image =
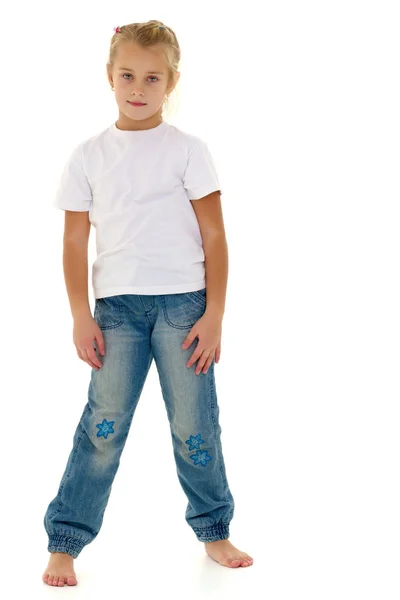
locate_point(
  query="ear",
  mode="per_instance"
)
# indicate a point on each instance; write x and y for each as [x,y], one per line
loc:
[173,85]
[109,75]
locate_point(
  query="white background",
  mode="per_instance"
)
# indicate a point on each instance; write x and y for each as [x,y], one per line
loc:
[299,104]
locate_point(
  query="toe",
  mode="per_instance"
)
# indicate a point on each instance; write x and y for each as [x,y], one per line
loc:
[50,580]
[61,581]
[71,581]
[248,557]
[234,562]
[55,580]
[246,560]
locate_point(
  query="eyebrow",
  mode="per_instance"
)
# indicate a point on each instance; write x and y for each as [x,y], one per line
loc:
[132,70]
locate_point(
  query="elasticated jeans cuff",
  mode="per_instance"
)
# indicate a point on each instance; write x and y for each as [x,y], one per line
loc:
[66,544]
[212,534]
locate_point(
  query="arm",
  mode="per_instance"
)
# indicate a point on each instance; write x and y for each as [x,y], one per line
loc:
[75,261]
[209,215]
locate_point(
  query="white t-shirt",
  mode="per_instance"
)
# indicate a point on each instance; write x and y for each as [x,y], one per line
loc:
[137,187]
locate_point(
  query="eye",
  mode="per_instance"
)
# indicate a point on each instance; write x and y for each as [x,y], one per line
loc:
[151,77]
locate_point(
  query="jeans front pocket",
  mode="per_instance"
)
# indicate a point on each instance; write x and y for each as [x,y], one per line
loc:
[199,296]
[108,312]
[184,310]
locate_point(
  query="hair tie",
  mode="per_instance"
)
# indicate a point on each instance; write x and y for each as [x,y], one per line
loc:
[116,29]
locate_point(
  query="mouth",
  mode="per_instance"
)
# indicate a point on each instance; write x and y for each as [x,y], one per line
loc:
[136,103]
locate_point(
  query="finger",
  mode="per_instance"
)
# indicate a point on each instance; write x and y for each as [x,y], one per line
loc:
[91,352]
[100,345]
[186,344]
[196,354]
[82,355]
[201,362]
[190,338]
[208,363]
[218,353]
[88,359]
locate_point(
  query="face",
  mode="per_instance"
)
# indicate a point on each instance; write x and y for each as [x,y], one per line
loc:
[140,75]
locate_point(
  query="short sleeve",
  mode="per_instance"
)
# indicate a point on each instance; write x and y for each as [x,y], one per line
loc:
[200,177]
[73,192]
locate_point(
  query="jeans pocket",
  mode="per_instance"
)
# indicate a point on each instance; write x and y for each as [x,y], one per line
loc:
[183,310]
[199,296]
[108,312]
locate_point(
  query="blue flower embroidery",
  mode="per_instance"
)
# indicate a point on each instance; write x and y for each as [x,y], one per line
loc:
[105,428]
[201,457]
[194,441]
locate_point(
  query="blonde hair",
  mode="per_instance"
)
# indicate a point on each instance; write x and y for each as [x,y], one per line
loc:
[149,33]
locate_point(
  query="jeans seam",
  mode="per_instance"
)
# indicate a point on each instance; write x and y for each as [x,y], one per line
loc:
[67,473]
[212,406]
[146,311]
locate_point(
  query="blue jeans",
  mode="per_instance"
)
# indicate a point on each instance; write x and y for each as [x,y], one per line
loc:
[135,329]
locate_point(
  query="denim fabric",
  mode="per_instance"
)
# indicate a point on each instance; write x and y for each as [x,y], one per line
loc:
[135,329]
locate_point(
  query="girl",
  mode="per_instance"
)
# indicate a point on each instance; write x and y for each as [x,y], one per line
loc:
[152,193]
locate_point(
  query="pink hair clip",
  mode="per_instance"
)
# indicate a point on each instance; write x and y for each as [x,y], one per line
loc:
[116,29]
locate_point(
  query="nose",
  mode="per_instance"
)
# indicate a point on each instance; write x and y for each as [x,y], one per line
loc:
[136,92]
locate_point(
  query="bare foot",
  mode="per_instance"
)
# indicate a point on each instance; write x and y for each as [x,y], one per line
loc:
[227,555]
[60,570]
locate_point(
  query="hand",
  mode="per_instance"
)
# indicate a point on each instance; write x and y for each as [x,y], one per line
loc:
[85,332]
[208,329]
